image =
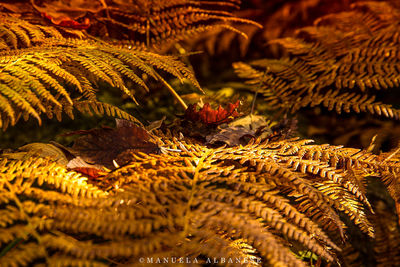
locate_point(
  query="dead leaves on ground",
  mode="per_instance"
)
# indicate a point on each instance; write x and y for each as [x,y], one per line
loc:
[94,152]
[225,125]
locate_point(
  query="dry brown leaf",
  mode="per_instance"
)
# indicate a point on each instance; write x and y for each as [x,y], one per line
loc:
[102,146]
[251,122]
[46,150]
[235,131]
[154,125]
[231,136]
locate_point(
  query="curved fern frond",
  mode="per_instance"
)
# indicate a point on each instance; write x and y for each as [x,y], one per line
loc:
[16,33]
[159,23]
[334,65]
[40,79]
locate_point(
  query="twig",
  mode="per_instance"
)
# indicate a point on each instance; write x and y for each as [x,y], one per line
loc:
[173,92]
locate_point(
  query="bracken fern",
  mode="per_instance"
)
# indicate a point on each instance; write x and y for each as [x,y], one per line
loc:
[277,197]
[337,63]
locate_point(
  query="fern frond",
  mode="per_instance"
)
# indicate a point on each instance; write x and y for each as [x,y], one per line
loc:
[387,236]
[99,108]
[281,197]
[157,24]
[40,80]
[332,64]
[17,33]
[42,171]
[238,198]
[24,254]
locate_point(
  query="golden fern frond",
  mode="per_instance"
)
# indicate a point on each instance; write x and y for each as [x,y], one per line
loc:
[276,198]
[89,107]
[41,78]
[23,255]
[99,108]
[42,171]
[383,249]
[338,63]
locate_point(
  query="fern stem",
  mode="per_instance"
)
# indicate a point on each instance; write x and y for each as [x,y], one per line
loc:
[192,192]
[173,92]
[10,246]
[148,32]
[391,155]
[104,4]
[253,104]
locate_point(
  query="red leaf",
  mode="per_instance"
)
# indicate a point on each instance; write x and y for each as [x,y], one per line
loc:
[89,172]
[209,116]
[68,23]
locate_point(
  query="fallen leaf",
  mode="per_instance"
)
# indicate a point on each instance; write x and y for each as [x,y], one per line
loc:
[234,132]
[90,170]
[251,122]
[155,124]
[67,13]
[46,150]
[209,116]
[230,136]
[102,146]
[286,128]
[68,23]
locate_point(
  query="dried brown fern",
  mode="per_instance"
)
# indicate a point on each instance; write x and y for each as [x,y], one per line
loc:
[337,63]
[17,33]
[278,18]
[277,198]
[387,236]
[160,23]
